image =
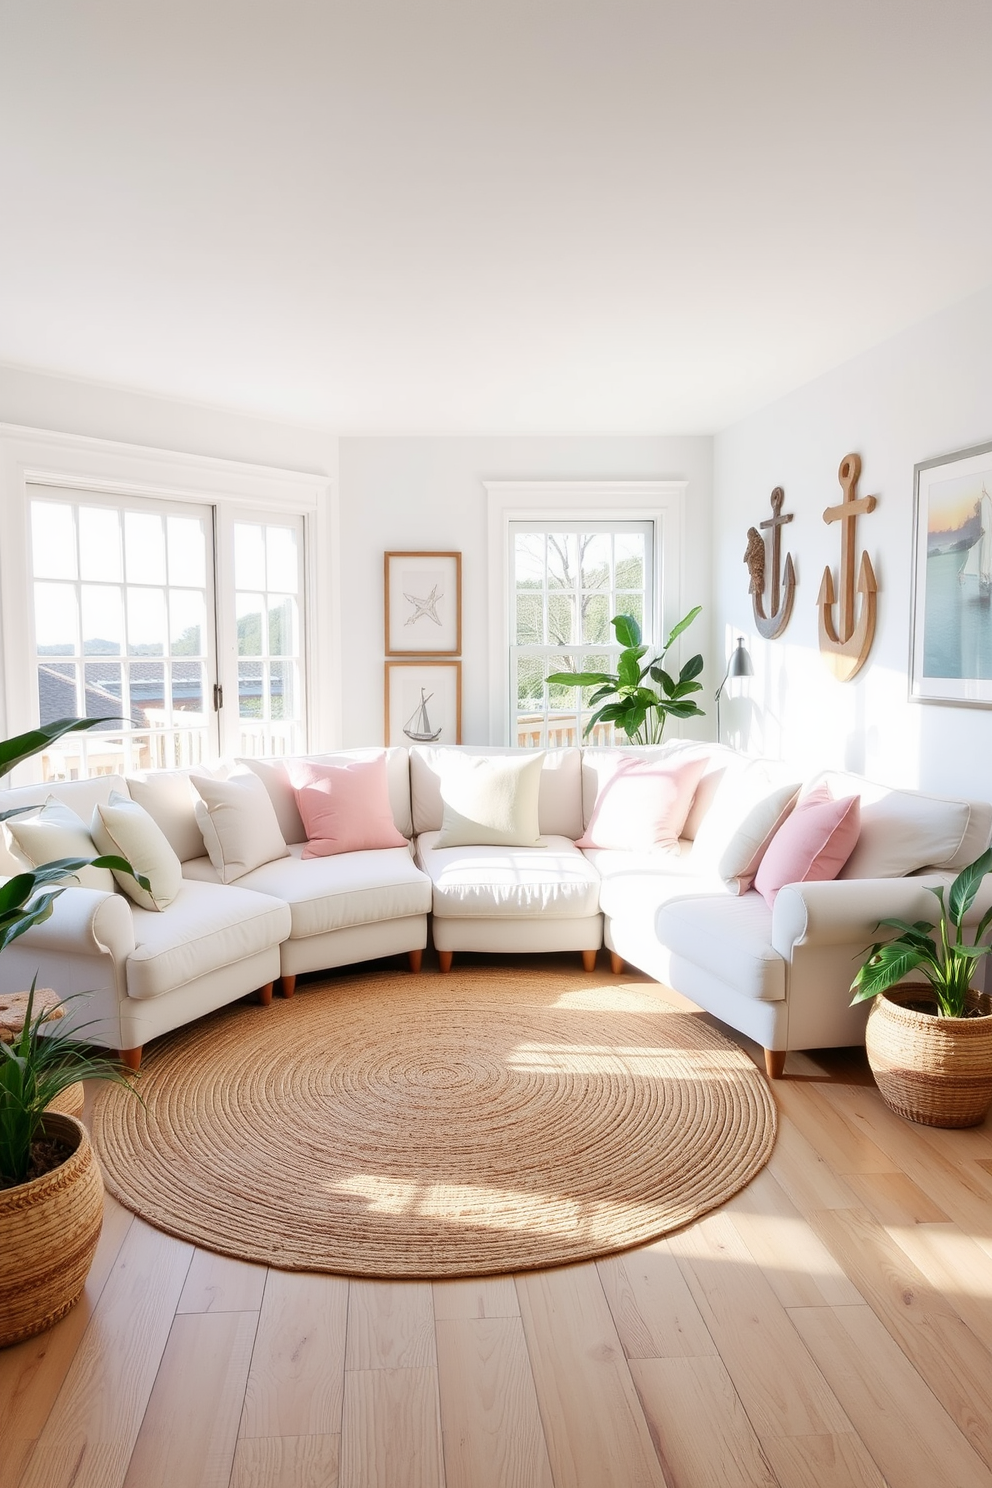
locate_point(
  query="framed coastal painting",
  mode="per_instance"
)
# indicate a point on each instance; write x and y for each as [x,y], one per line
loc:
[423,703]
[951,643]
[423,596]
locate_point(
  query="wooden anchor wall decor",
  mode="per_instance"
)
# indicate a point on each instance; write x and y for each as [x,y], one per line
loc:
[845,643]
[772,624]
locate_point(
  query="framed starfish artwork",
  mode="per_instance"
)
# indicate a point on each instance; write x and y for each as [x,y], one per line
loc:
[423,596]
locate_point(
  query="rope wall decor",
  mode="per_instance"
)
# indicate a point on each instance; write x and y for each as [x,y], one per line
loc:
[389,1125]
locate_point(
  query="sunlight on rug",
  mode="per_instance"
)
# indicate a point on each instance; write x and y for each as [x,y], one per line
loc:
[486,1121]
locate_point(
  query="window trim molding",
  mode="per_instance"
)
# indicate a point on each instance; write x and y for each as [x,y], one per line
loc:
[31,456]
[660,502]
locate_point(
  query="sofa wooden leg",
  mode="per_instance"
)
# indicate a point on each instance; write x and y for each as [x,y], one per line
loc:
[588,960]
[265,994]
[444,959]
[415,959]
[288,985]
[131,1057]
[616,964]
[775,1063]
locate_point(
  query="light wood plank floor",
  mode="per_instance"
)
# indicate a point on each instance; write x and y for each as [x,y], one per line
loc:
[830,1327]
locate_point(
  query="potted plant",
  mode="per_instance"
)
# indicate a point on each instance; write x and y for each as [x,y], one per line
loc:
[51,1191]
[929,1043]
[640,710]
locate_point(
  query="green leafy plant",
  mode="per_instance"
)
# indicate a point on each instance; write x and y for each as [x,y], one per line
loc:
[639,710]
[35,1068]
[939,950]
[38,1065]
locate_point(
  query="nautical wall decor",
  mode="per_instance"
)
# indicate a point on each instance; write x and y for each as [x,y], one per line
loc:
[846,636]
[423,702]
[423,603]
[783,584]
[951,653]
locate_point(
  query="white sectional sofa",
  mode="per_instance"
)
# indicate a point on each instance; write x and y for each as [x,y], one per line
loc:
[779,973]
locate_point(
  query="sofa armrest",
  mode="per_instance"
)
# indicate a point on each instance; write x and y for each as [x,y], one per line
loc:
[846,911]
[86,922]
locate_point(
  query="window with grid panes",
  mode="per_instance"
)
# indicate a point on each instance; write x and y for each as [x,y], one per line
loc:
[568,581]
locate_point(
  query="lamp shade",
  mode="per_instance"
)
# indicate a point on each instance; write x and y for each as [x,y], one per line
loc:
[740,661]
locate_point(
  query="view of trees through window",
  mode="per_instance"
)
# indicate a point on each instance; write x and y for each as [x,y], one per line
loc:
[568,583]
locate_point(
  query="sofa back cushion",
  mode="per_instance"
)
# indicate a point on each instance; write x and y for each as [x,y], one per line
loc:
[170,798]
[903,831]
[560,796]
[275,776]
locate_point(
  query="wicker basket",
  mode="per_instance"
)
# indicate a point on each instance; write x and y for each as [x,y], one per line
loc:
[932,1070]
[49,1230]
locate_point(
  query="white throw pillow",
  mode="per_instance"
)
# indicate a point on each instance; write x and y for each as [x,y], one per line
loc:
[170,800]
[57,832]
[491,801]
[125,828]
[750,804]
[239,825]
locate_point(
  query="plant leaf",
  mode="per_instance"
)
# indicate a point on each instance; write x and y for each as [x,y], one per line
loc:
[964,888]
[683,625]
[23,746]
[582,679]
[627,629]
[692,668]
[887,966]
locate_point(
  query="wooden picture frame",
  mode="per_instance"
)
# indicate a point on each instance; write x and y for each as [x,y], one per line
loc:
[951,632]
[423,604]
[423,702]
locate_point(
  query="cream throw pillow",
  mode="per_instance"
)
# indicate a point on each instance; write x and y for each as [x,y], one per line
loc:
[239,825]
[170,800]
[491,801]
[750,804]
[57,832]
[125,828]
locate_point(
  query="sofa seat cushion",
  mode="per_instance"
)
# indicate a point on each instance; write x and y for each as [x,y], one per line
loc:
[205,928]
[637,883]
[510,882]
[334,893]
[731,940]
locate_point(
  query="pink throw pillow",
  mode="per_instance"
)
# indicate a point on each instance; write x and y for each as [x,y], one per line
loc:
[812,844]
[345,808]
[643,805]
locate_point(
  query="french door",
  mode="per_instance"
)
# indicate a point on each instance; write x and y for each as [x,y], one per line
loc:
[181,624]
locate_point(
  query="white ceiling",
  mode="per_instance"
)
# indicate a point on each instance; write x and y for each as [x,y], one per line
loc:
[549,216]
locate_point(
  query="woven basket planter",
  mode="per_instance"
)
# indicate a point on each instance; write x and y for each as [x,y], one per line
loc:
[49,1230]
[932,1070]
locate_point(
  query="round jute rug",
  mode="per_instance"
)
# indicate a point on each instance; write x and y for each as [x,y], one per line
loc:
[391,1125]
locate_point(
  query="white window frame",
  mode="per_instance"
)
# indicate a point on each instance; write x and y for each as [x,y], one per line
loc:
[37,457]
[659,503]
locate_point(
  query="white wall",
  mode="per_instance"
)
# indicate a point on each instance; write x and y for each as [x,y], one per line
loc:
[428,493]
[391,493]
[922,394]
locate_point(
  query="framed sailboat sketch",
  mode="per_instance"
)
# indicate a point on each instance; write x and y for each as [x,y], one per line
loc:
[423,703]
[951,647]
[423,597]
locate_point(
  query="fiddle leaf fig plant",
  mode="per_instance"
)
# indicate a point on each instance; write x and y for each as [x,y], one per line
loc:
[939,950]
[636,708]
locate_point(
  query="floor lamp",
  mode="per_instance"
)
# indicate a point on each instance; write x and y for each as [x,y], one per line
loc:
[739,665]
